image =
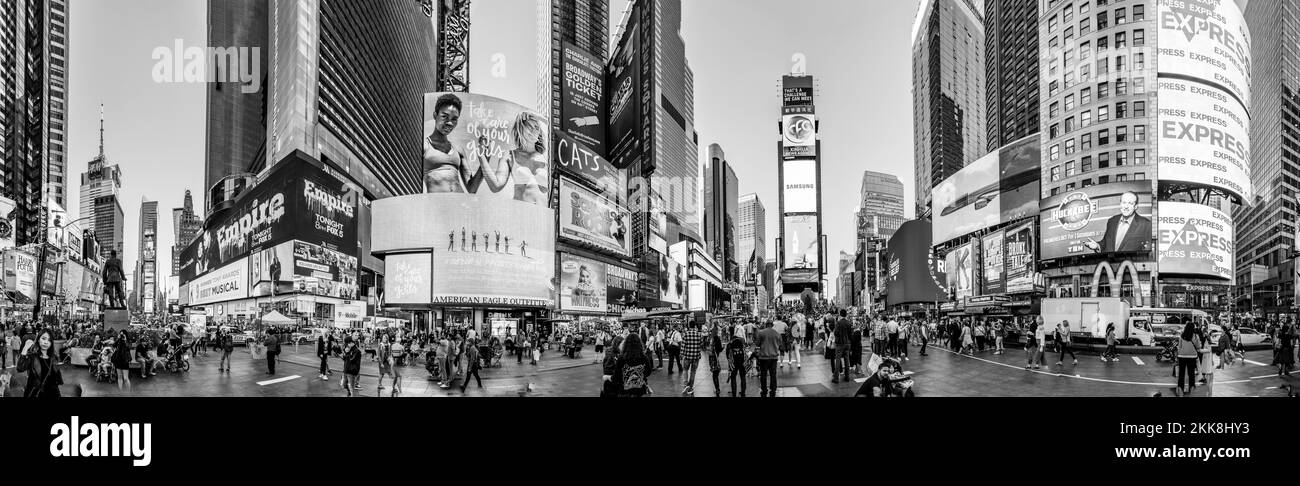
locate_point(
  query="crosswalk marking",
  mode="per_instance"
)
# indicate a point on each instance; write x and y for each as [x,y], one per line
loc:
[1138,361]
[1256,363]
[278,380]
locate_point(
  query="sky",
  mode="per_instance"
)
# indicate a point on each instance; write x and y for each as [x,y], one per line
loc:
[858,51]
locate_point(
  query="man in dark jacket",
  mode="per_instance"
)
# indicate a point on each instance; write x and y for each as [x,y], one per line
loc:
[843,346]
[272,350]
[351,365]
[323,352]
[769,349]
[471,357]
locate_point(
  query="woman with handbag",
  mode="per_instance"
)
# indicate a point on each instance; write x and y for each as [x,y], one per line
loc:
[634,367]
[40,362]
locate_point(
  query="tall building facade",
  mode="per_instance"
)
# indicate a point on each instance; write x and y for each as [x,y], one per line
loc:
[146,266]
[101,185]
[801,254]
[236,120]
[1011,70]
[881,209]
[1105,67]
[185,226]
[33,109]
[721,196]
[655,138]
[347,83]
[751,236]
[948,93]
[1266,232]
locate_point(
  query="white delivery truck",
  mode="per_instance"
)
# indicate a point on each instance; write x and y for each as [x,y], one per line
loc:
[1088,318]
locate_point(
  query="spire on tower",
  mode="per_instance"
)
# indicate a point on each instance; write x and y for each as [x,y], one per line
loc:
[101,130]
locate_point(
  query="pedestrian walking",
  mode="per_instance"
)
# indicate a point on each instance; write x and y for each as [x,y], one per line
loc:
[904,334]
[891,330]
[1284,349]
[998,334]
[1205,356]
[634,367]
[796,340]
[979,337]
[472,365]
[1031,347]
[855,350]
[736,364]
[769,350]
[351,365]
[924,330]
[444,362]
[712,348]
[323,353]
[384,357]
[809,332]
[1189,345]
[674,347]
[656,343]
[1110,354]
[692,342]
[843,336]
[967,340]
[121,359]
[1063,343]
[40,361]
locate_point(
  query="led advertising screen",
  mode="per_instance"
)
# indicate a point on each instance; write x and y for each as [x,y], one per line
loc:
[1000,187]
[800,180]
[320,271]
[488,147]
[20,273]
[1102,219]
[915,275]
[1203,137]
[226,283]
[407,278]
[799,129]
[802,244]
[486,250]
[1207,40]
[297,201]
[1195,240]
[796,91]
[591,219]
[582,95]
[620,288]
[7,236]
[672,279]
[577,160]
[582,284]
[991,259]
[1018,250]
[271,267]
[959,267]
[624,99]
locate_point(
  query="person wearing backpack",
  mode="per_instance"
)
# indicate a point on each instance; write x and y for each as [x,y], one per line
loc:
[736,364]
[674,347]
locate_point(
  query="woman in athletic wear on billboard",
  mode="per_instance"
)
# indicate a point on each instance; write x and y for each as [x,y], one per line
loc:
[532,180]
[444,166]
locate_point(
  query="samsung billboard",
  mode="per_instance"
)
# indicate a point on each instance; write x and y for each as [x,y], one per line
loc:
[799,181]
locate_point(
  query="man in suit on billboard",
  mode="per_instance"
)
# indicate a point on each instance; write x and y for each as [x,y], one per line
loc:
[1126,231]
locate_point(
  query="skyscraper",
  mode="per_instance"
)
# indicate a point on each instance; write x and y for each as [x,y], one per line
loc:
[751,236]
[948,92]
[1265,232]
[653,131]
[100,187]
[347,83]
[236,121]
[881,209]
[1011,67]
[33,109]
[185,225]
[721,189]
[146,266]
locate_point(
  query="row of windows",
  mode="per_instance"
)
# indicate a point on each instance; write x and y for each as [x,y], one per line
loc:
[1121,86]
[1139,176]
[1103,139]
[1084,165]
[1103,115]
[1103,20]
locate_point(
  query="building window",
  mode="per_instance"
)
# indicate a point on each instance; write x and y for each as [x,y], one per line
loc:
[1103,43]
[1121,108]
[1140,62]
[1053,88]
[1085,72]
[1102,23]
[1069,187]
[1069,146]
[1069,169]
[1139,37]
[1103,160]
[1069,102]
[1139,84]
[1120,16]
[1085,118]
[1086,165]
[1103,137]
[1087,141]
[1085,183]
[1084,27]
[1103,90]
[1056,190]
[1139,13]
[1056,152]
[1121,178]
[1139,176]
[1083,9]
[1085,96]
[1140,133]
[1054,110]
[1119,63]
[1051,24]
[1054,43]
[1103,113]
[1068,14]
[1121,158]
[1121,134]
[1103,66]
[1140,156]
[1069,124]
[1139,109]
[1056,173]
[1103,179]
[1069,33]
[1121,87]
[1120,40]
[1054,131]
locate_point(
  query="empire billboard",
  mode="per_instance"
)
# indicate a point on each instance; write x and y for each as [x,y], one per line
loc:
[1000,187]
[1098,220]
[1195,240]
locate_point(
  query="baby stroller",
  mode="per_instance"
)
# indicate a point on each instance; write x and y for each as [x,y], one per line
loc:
[494,355]
[178,359]
[101,368]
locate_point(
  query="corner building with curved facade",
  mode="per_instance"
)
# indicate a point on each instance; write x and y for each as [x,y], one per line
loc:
[1145,123]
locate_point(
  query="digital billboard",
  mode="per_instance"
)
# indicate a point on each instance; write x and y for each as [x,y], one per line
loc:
[296,201]
[959,268]
[1203,137]
[594,220]
[915,274]
[1195,240]
[799,132]
[624,98]
[620,288]
[7,236]
[1206,40]
[20,273]
[672,275]
[802,243]
[582,284]
[1000,187]
[407,278]
[799,178]
[1101,219]
[320,271]
[1018,250]
[797,91]
[271,268]
[993,264]
[488,147]
[577,160]
[226,283]
[582,95]
[486,250]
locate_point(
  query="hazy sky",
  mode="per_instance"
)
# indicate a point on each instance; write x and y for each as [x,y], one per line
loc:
[858,50]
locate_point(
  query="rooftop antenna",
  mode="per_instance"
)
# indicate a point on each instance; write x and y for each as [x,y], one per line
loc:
[101,131]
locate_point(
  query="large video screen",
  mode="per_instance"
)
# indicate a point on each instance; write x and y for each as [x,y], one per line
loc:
[1204,137]
[800,180]
[1102,219]
[915,275]
[582,96]
[959,267]
[407,278]
[1195,240]
[1000,187]
[1018,249]
[802,242]
[582,284]
[1207,40]
[993,264]
[594,220]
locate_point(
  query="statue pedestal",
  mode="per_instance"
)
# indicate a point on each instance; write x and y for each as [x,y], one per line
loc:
[117,319]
